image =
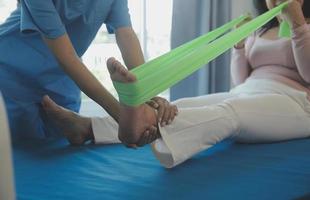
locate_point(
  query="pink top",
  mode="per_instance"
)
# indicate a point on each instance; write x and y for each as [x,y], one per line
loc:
[284,60]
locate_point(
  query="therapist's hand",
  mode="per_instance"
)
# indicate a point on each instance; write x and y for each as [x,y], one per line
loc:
[149,136]
[166,112]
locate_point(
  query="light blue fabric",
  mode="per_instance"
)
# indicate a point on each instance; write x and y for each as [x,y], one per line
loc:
[28,70]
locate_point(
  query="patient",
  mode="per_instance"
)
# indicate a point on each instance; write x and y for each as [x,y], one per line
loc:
[269,103]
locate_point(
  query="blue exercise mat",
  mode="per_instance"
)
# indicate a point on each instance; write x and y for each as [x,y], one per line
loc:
[54,170]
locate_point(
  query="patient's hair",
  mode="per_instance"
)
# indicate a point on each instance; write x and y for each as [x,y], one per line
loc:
[261,8]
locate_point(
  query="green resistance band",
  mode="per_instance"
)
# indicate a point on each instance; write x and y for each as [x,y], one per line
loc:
[140,72]
[163,72]
[285,30]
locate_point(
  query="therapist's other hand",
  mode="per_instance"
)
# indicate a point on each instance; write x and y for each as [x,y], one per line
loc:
[149,136]
[166,112]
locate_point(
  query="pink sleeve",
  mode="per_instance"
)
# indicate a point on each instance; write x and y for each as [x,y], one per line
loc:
[301,49]
[240,68]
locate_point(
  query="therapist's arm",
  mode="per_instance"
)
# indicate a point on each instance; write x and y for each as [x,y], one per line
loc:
[129,46]
[64,52]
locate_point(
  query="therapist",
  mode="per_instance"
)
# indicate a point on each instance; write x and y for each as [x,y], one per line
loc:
[41,44]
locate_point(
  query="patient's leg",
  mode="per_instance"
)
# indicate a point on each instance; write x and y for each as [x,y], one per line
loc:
[75,128]
[133,120]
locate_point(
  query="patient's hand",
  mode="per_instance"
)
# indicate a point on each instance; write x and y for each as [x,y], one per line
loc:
[294,14]
[240,45]
[166,112]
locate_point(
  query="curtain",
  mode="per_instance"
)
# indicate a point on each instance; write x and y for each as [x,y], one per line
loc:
[192,18]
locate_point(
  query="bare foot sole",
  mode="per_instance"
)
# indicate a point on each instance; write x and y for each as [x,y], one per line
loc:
[133,121]
[75,128]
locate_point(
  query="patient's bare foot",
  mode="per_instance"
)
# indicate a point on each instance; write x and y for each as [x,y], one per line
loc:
[75,128]
[133,121]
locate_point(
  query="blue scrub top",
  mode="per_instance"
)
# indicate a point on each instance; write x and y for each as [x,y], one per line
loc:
[28,69]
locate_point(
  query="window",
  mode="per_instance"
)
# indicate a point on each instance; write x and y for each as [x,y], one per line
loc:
[152,22]
[6,7]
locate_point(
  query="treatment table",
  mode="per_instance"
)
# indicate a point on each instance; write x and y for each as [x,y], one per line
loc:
[51,170]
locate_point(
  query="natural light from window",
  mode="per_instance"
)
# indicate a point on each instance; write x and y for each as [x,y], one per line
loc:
[152,22]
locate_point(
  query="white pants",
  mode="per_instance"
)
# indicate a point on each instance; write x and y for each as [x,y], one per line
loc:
[254,112]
